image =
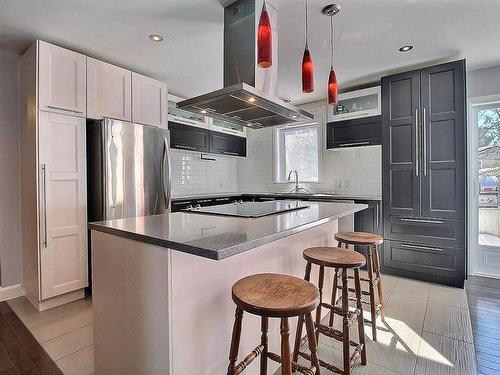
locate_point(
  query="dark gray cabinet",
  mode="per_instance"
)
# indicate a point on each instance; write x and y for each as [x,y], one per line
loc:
[423,157]
[192,138]
[369,220]
[354,133]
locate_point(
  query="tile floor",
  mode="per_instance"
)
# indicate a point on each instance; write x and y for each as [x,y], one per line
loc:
[427,330]
[65,332]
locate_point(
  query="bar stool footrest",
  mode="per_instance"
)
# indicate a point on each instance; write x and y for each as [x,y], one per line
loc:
[248,359]
[295,366]
[355,355]
[322,363]
[333,333]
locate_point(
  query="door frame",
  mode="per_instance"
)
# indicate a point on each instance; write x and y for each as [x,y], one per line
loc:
[473,180]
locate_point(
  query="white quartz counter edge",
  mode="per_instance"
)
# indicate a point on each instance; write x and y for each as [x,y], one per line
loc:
[231,250]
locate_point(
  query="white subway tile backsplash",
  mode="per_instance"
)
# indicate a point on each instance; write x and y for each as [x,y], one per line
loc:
[191,175]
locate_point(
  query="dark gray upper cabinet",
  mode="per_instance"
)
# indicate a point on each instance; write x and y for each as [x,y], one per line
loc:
[400,152]
[354,133]
[443,141]
[423,142]
[192,138]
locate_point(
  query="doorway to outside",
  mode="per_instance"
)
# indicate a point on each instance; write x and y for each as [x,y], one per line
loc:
[484,187]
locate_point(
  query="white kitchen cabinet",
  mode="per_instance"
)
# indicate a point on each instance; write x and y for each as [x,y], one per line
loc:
[62,80]
[149,101]
[62,203]
[357,104]
[109,91]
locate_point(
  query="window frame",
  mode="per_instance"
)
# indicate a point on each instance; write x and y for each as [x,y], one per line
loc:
[279,172]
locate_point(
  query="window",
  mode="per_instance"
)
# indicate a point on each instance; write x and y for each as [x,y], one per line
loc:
[297,148]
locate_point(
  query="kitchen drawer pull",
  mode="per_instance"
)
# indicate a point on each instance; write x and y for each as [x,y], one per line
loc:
[354,144]
[185,147]
[423,221]
[222,199]
[421,247]
[180,203]
[64,109]
[230,153]
[204,201]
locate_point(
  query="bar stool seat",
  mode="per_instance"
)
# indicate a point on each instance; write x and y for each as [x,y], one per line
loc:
[275,295]
[325,256]
[270,295]
[359,238]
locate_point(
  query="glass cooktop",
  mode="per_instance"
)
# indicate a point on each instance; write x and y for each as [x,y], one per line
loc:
[250,209]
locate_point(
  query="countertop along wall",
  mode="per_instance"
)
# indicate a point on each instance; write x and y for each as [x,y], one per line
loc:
[9,164]
[354,171]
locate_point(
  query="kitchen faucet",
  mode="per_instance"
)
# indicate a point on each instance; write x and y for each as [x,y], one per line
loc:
[297,189]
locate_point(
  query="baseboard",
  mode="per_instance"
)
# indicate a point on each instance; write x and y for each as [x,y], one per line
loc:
[55,301]
[483,274]
[10,292]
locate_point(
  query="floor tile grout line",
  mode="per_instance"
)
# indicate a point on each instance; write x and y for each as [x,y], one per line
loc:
[79,350]
[63,334]
[421,338]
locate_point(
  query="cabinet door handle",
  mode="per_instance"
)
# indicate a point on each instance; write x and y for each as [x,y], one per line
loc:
[421,247]
[425,142]
[185,147]
[423,221]
[230,153]
[166,175]
[417,157]
[44,200]
[63,109]
[378,216]
[354,144]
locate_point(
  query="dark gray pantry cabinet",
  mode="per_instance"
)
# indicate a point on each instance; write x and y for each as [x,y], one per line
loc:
[424,175]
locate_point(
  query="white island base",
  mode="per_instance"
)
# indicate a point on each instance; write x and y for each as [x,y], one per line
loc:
[162,311]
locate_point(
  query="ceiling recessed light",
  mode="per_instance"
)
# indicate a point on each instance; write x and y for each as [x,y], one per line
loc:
[405,48]
[156,37]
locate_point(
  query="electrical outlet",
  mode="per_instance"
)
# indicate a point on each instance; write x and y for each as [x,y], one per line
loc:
[346,183]
[338,183]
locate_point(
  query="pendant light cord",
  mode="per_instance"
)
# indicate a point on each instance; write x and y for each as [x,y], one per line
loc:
[331,40]
[307,25]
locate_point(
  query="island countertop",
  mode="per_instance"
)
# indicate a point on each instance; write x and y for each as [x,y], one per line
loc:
[219,237]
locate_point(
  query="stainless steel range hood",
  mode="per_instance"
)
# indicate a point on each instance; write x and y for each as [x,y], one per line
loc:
[249,94]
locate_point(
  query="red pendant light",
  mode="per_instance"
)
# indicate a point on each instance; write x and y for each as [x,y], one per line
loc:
[333,92]
[264,40]
[307,64]
[333,89]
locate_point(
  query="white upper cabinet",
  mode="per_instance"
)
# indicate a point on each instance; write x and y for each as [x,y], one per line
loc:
[61,80]
[109,91]
[149,101]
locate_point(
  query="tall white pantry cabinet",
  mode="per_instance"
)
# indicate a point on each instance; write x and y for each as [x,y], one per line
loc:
[53,107]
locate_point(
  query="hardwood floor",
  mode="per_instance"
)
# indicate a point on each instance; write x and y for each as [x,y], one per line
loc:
[484,305]
[20,353]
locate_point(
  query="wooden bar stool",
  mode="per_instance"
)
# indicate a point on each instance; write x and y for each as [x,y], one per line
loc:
[370,241]
[274,296]
[344,260]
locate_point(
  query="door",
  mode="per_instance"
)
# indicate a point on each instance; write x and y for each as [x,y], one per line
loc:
[443,141]
[62,204]
[401,162]
[221,143]
[149,101]
[62,80]
[484,176]
[187,137]
[136,170]
[109,91]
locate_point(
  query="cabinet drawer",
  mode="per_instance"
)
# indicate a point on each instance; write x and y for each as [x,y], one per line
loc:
[425,262]
[434,232]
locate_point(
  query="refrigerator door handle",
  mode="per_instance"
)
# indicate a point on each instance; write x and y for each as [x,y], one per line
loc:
[166,180]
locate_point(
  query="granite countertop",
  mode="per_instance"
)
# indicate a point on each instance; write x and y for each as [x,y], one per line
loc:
[326,196]
[219,237]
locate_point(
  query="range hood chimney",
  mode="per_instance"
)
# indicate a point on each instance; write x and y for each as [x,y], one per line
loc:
[249,94]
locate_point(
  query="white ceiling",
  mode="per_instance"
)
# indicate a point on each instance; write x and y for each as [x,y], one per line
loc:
[368,34]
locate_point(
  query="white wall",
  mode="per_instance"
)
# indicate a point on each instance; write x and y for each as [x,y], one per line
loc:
[193,176]
[9,181]
[356,171]
[483,82]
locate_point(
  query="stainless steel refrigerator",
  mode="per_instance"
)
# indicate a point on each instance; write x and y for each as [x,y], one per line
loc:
[128,170]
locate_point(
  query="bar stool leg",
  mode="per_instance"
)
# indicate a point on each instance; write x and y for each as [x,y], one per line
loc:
[235,341]
[334,295]
[345,325]
[359,306]
[373,313]
[298,338]
[379,283]
[312,342]
[286,359]
[318,309]
[264,341]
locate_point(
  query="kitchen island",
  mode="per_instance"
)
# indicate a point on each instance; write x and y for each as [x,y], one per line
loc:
[162,284]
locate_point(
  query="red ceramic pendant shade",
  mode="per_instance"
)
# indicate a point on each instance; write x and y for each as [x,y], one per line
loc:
[307,72]
[333,91]
[264,40]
